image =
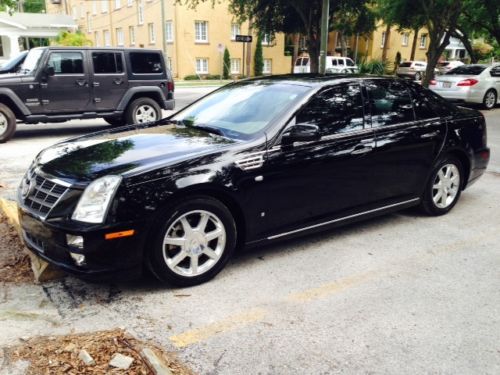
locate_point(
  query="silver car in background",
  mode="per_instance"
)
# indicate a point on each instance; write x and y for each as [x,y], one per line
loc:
[444,67]
[475,83]
[412,69]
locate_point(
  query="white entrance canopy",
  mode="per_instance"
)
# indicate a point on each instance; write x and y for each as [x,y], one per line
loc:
[29,25]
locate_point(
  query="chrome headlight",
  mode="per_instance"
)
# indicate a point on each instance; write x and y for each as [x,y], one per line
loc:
[95,200]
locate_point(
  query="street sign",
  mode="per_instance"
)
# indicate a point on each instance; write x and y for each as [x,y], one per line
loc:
[243,38]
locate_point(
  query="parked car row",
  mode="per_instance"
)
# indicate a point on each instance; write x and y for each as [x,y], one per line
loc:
[55,84]
[334,64]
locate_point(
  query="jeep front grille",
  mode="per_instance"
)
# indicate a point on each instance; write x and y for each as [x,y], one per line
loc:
[43,194]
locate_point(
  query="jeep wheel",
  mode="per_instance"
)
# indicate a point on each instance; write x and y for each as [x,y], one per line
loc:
[7,123]
[115,121]
[142,110]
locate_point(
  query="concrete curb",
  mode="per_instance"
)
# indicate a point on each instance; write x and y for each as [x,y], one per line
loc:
[42,270]
[156,363]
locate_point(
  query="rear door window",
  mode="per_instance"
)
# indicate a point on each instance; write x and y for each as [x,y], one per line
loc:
[390,102]
[298,62]
[405,64]
[107,62]
[146,63]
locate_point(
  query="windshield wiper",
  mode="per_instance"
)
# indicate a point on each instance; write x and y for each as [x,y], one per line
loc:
[209,129]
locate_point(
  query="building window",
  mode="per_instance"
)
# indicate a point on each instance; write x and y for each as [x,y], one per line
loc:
[94,7]
[74,12]
[82,10]
[120,39]
[131,33]
[104,6]
[202,66]
[118,4]
[235,30]
[106,36]
[201,31]
[96,38]
[235,66]
[382,43]
[130,3]
[140,13]
[151,33]
[266,39]
[169,31]
[423,40]
[405,39]
[268,66]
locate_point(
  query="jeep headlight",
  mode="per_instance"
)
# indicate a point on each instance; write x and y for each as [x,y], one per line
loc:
[95,200]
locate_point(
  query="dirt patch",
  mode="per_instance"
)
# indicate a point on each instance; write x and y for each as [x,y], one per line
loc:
[60,354]
[15,263]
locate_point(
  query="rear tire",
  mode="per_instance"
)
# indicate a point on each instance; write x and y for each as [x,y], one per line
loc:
[142,110]
[7,123]
[444,187]
[195,241]
[490,99]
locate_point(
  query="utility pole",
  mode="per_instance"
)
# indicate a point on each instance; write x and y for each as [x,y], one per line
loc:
[164,32]
[324,36]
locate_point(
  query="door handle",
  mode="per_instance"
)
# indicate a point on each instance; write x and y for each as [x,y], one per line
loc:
[361,150]
[81,82]
[118,81]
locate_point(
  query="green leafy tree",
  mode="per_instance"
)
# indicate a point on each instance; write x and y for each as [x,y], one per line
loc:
[484,17]
[227,63]
[67,38]
[258,65]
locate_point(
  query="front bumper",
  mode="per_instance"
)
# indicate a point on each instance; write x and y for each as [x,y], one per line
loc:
[120,258]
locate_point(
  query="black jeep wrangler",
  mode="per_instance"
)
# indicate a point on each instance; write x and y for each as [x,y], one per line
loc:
[55,84]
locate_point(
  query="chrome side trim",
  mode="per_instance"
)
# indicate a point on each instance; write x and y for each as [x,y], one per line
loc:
[342,219]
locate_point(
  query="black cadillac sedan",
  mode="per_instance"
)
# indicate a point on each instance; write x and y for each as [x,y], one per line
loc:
[255,161]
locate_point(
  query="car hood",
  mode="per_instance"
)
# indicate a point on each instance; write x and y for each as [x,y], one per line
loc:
[124,150]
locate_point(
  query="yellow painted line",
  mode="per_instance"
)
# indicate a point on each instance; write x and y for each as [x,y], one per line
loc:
[9,208]
[233,322]
[329,289]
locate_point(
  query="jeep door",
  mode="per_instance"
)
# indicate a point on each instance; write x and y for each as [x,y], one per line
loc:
[109,81]
[67,91]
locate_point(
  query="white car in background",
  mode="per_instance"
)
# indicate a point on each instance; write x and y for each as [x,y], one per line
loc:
[444,67]
[411,69]
[334,64]
[473,83]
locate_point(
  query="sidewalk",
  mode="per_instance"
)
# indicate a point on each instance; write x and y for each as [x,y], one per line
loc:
[202,83]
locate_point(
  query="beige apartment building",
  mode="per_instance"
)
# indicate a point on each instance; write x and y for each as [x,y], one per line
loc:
[194,38]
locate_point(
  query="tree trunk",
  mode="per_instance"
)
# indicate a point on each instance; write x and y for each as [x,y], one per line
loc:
[463,37]
[313,49]
[343,44]
[414,44]
[295,54]
[436,49]
[386,42]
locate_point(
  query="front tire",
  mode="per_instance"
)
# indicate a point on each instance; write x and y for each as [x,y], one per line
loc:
[444,187]
[490,99]
[7,123]
[194,243]
[142,110]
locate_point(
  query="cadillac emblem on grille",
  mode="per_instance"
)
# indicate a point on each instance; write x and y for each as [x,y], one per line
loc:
[26,187]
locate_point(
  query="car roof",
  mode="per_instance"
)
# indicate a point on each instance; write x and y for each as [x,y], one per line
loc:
[100,48]
[315,79]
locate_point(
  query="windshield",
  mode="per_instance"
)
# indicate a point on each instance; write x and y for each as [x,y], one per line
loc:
[32,60]
[473,70]
[12,63]
[241,110]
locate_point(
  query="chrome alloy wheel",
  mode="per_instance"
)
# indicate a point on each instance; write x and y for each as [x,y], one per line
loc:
[490,99]
[194,243]
[446,185]
[145,113]
[4,124]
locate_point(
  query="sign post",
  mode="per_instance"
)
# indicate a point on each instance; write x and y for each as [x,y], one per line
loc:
[220,48]
[243,39]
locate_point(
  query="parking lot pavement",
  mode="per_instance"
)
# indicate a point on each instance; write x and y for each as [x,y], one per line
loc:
[399,294]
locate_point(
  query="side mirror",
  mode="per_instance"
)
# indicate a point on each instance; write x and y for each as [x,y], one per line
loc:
[49,71]
[301,133]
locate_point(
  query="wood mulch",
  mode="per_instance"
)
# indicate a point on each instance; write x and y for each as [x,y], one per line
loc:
[15,266]
[59,354]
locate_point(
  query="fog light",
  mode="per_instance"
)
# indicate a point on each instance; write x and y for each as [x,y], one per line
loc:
[78,258]
[74,241]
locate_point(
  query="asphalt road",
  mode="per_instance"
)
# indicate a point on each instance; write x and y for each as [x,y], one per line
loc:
[399,294]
